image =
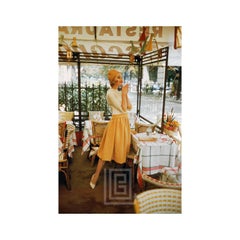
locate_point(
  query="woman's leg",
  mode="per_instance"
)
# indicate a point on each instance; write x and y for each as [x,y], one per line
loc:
[95,176]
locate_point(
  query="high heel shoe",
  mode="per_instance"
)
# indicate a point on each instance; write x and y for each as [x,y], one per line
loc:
[92,185]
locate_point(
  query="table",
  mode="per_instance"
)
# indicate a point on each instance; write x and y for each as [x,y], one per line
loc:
[87,133]
[71,139]
[176,135]
[60,146]
[154,152]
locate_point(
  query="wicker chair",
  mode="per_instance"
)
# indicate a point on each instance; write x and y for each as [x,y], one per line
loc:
[98,128]
[142,127]
[158,201]
[159,183]
[63,164]
[65,116]
[96,115]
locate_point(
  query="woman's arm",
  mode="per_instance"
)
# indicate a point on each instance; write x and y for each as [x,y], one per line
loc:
[126,104]
[129,105]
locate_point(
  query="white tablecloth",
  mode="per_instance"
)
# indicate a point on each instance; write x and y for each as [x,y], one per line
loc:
[71,140]
[152,156]
[60,146]
[87,134]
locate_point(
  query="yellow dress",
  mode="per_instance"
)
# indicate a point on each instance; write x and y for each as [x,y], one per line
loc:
[116,139]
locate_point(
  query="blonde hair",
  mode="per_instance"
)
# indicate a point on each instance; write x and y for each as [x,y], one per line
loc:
[112,76]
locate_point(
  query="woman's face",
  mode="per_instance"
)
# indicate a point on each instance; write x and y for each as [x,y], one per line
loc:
[118,80]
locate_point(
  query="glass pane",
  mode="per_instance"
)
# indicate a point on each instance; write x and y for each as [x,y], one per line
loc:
[152,93]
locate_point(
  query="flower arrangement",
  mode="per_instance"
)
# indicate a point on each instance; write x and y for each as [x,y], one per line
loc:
[169,121]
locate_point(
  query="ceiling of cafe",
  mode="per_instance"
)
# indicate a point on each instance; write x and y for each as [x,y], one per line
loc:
[121,40]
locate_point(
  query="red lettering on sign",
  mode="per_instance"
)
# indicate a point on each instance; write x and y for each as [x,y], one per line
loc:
[119,31]
[119,50]
[106,30]
[89,31]
[131,31]
[94,51]
[76,30]
[157,31]
[63,29]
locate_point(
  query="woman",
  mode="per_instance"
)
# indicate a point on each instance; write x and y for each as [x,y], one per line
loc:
[116,139]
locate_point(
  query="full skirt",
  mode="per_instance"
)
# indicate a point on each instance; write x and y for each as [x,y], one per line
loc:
[115,144]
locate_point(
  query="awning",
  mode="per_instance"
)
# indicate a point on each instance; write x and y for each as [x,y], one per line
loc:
[121,41]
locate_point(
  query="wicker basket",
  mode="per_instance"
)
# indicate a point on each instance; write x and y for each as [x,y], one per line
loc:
[142,127]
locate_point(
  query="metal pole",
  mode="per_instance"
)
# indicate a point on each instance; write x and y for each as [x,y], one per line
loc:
[139,86]
[79,95]
[164,90]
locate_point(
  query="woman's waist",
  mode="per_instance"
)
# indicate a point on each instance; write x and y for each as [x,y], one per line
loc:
[118,115]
